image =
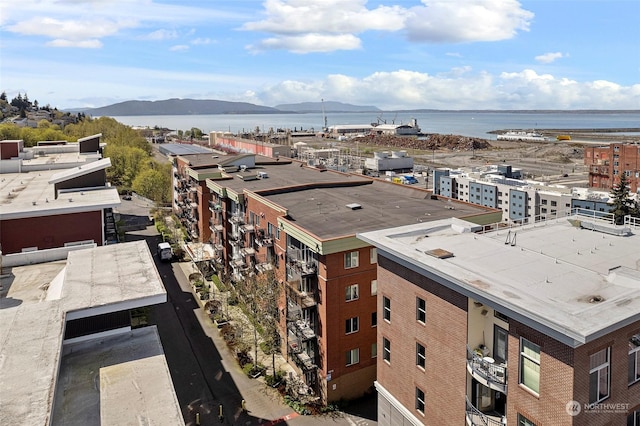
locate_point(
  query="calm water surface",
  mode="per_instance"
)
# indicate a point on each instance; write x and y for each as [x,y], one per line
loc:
[475,124]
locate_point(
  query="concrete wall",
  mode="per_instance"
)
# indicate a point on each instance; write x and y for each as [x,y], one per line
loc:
[40,256]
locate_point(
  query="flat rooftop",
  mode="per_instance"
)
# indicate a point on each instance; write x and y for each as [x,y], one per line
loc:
[282,175]
[31,195]
[182,149]
[571,283]
[125,384]
[37,299]
[324,211]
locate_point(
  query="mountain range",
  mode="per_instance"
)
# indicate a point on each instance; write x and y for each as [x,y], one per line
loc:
[203,106]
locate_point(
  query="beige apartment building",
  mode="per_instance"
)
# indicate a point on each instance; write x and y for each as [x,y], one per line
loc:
[528,325]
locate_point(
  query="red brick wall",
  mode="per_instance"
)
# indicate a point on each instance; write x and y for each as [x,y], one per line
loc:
[50,231]
[336,310]
[620,391]
[556,379]
[445,338]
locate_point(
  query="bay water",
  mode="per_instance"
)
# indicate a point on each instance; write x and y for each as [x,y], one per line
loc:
[466,123]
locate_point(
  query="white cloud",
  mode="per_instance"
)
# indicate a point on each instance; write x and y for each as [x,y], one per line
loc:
[308,43]
[71,30]
[549,57]
[179,48]
[467,20]
[433,21]
[458,89]
[83,44]
[161,34]
[201,41]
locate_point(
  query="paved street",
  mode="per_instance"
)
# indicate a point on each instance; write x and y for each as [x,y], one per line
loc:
[205,374]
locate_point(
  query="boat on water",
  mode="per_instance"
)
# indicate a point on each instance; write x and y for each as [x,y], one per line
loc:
[522,136]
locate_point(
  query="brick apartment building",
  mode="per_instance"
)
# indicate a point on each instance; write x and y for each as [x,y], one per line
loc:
[607,163]
[259,213]
[530,325]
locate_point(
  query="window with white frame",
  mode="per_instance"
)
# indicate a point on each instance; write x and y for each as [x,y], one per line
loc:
[351,292]
[634,359]
[420,400]
[530,365]
[374,287]
[421,356]
[599,376]
[523,421]
[351,260]
[386,349]
[373,255]
[421,310]
[353,356]
[633,419]
[386,308]
[351,325]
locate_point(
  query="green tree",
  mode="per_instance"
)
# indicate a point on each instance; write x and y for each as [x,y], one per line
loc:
[622,205]
[154,183]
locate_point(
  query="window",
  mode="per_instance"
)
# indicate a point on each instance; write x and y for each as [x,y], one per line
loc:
[386,349]
[374,287]
[374,351]
[530,365]
[633,419]
[351,292]
[351,325]
[386,308]
[554,203]
[421,356]
[373,255]
[278,233]
[599,376]
[421,310]
[420,400]
[500,340]
[374,319]
[351,260]
[523,421]
[353,356]
[634,359]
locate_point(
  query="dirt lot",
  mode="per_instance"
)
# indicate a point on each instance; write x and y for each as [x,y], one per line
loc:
[545,161]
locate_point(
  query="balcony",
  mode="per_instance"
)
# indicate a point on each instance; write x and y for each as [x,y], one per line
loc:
[477,418]
[265,241]
[247,229]
[237,218]
[247,251]
[214,206]
[485,370]
[303,298]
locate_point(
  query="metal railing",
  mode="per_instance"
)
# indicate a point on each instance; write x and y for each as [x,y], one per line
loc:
[478,418]
[494,374]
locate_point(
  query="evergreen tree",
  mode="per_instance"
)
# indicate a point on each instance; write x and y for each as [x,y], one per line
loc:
[3,96]
[622,205]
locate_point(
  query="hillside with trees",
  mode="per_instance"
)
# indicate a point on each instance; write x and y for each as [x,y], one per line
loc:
[132,165]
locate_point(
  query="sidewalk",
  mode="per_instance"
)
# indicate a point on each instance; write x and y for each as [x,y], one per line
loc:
[236,316]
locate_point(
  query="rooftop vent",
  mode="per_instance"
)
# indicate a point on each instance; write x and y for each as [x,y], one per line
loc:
[439,253]
[596,299]
[354,206]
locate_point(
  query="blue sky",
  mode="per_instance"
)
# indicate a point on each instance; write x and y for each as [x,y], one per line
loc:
[395,54]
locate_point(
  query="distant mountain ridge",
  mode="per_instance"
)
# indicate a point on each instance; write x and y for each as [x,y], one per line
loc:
[210,106]
[329,106]
[180,107]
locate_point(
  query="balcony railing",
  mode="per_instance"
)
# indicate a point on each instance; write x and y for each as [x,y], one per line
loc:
[487,371]
[477,418]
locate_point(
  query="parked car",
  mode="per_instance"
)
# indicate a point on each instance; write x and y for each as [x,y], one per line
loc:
[126,197]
